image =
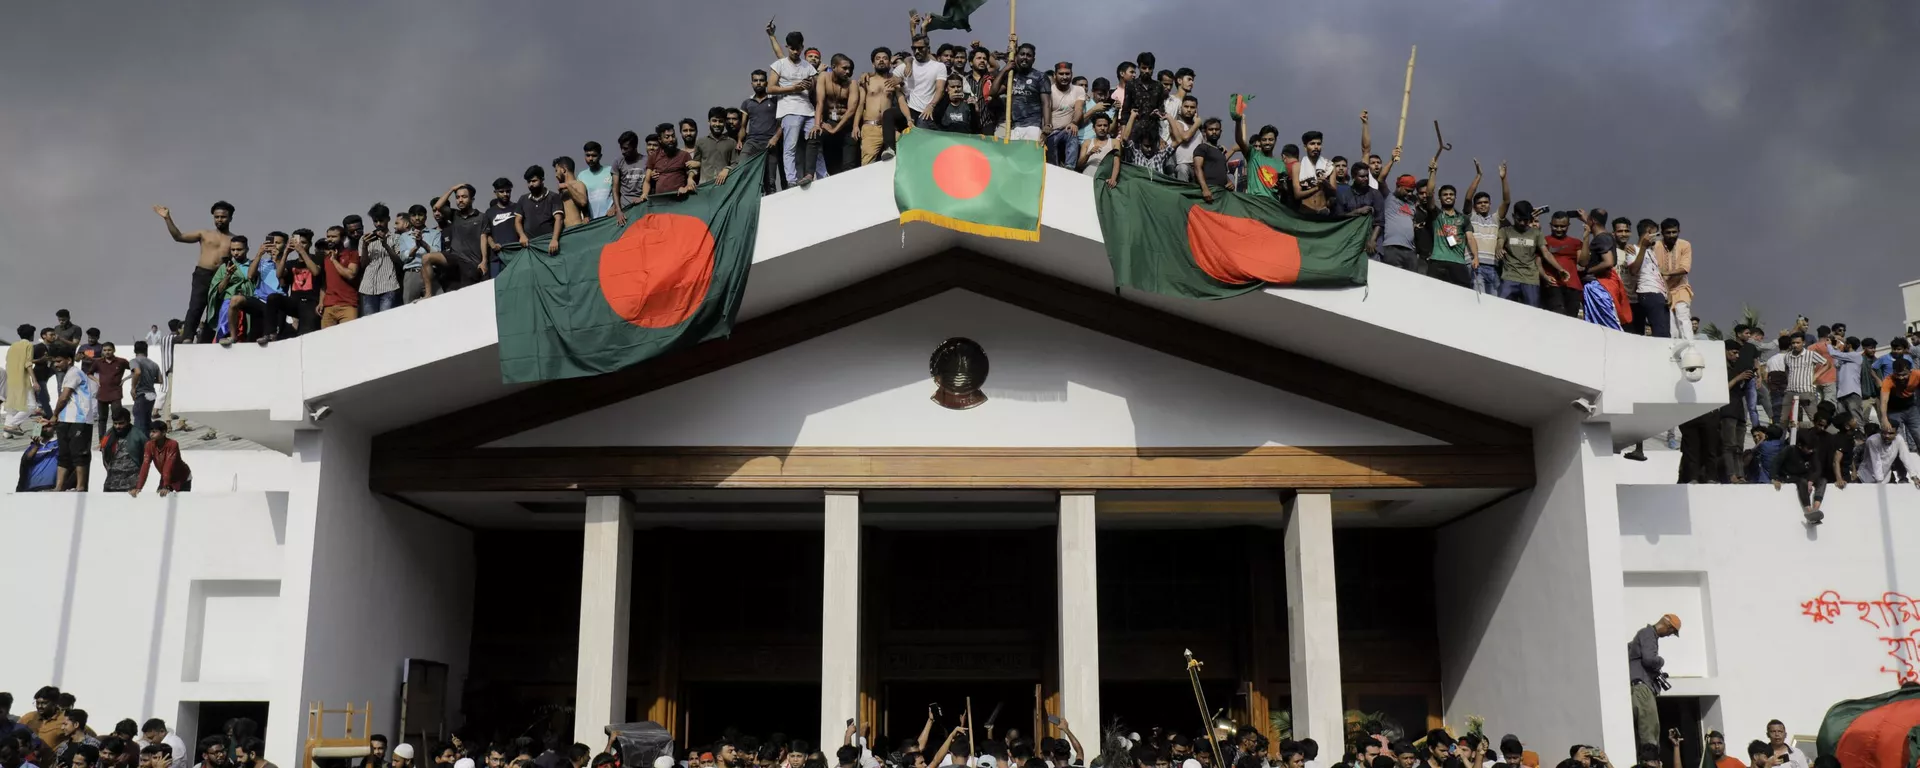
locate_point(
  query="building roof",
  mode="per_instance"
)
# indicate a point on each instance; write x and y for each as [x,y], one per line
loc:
[1510,362]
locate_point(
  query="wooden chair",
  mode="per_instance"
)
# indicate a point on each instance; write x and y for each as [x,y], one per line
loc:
[347,746]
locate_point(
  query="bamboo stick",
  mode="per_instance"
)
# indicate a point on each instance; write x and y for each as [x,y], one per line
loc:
[1013,49]
[1400,136]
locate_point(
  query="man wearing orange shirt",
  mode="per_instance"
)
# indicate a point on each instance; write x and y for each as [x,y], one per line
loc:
[1675,258]
[1717,752]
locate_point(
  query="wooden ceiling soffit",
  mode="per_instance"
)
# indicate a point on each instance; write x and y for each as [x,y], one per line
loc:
[1050,296]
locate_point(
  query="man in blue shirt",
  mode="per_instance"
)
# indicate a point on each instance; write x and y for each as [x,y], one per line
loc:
[1768,442]
[1883,367]
[39,462]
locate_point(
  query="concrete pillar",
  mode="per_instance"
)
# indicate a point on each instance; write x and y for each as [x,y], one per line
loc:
[840,617]
[1079,614]
[606,586]
[1313,621]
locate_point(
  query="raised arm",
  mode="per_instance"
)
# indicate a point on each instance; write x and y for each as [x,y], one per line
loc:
[1473,188]
[774,41]
[925,731]
[1366,142]
[1506,196]
[1386,171]
[1078,751]
[1240,135]
[178,236]
[940,755]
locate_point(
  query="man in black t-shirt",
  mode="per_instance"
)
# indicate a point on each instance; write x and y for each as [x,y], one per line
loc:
[951,111]
[1209,161]
[503,226]
[538,205]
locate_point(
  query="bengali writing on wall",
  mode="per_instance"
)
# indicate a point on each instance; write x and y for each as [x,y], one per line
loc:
[1891,613]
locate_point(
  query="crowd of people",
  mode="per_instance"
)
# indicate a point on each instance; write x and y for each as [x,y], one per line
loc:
[71,396]
[1810,406]
[819,119]
[56,734]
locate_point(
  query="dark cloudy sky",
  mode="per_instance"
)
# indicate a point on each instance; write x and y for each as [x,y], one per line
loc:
[1758,123]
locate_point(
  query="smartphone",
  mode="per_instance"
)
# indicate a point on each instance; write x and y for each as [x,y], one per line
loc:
[1053,719]
[849,722]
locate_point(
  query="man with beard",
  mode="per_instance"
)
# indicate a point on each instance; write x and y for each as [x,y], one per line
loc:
[1063,120]
[830,106]
[1029,89]
[1396,230]
[690,131]
[213,247]
[759,125]
[573,193]
[1314,175]
[1449,257]
[1263,166]
[1524,260]
[717,151]
[121,451]
[1560,292]
[878,94]
[598,180]
[1209,160]
[668,167]
[461,238]
[952,112]
[539,204]
[213,753]
[923,75]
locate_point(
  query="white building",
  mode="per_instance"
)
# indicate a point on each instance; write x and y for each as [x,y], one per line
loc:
[1379,498]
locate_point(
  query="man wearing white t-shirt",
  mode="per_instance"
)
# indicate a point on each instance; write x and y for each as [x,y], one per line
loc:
[1314,177]
[1649,286]
[924,76]
[794,82]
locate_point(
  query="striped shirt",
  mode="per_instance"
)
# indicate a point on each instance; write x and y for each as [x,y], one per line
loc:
[1800,370]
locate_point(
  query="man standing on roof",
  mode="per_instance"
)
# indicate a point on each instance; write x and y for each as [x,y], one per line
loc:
[213,247]
[1644,675]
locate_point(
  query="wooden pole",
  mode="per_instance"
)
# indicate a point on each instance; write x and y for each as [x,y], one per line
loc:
[973,746]
[1399,137]
[1039,715]
[1013,14]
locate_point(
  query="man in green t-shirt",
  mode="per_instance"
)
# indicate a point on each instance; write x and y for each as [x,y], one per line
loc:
[1265,171]
[1523,254]
[1449,258]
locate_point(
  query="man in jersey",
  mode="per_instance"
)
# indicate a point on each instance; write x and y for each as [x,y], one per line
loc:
[1264,168]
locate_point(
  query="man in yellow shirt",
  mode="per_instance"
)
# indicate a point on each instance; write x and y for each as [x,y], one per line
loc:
[47,721]
[18,398]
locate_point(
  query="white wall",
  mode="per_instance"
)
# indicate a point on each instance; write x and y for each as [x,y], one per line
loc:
[136,605]
[1759,571]
[388,583]
[1050,384]
[1536,580]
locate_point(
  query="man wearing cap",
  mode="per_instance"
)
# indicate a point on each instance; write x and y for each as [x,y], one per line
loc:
[402,755]
[1643,670]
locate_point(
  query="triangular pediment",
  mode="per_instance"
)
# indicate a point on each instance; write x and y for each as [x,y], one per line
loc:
[1051,384]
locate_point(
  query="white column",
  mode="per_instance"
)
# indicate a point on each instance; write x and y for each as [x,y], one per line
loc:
[1313,620]
[1079,614]
[606,587]
[840,617]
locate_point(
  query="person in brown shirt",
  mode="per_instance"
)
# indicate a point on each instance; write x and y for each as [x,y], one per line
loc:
[112,372]
[668,164]
[163,453]
[47,721]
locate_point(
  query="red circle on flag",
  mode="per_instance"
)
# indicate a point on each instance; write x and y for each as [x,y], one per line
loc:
[962,172]
[657,274]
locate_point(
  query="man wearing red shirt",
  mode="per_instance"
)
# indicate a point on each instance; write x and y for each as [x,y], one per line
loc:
[1557,295]
[341,301]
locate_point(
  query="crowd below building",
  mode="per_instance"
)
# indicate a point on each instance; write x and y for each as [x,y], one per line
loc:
[57,734]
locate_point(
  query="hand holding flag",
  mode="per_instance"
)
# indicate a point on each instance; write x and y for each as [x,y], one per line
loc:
[1240,103]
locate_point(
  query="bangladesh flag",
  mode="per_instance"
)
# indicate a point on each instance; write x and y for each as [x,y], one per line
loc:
[955,16]
[1877,731]
[1163,237]
[970,183]
[617,295]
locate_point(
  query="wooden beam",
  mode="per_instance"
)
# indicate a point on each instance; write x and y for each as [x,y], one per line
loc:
[595,468]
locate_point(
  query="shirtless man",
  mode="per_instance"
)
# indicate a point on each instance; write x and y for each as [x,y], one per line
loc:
[830,104]
[875,93]
[213,247]
[573,198]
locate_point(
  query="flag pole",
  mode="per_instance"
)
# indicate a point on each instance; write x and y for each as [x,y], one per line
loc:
[1400,136]
[1013,14]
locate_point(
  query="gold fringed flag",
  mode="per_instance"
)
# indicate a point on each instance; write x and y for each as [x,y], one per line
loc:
[970,184]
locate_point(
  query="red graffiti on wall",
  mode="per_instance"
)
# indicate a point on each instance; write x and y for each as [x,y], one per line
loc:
[1890,613]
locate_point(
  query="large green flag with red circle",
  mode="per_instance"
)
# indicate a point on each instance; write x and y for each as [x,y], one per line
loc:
[1164,236]
[617,293]
[970,183]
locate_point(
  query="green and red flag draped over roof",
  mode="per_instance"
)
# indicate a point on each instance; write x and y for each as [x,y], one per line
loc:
[1875,732]
[1163,237]
[617,295]
[970,183]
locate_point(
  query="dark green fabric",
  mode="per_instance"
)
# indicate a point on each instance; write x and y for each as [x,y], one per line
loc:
[1842,715]
[1144,223]
[955,16]
[555,323]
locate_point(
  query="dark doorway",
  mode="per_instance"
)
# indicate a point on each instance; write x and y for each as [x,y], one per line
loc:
[1142,705]
[1686,713]
[756,709]
[214,716]
[904,709]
